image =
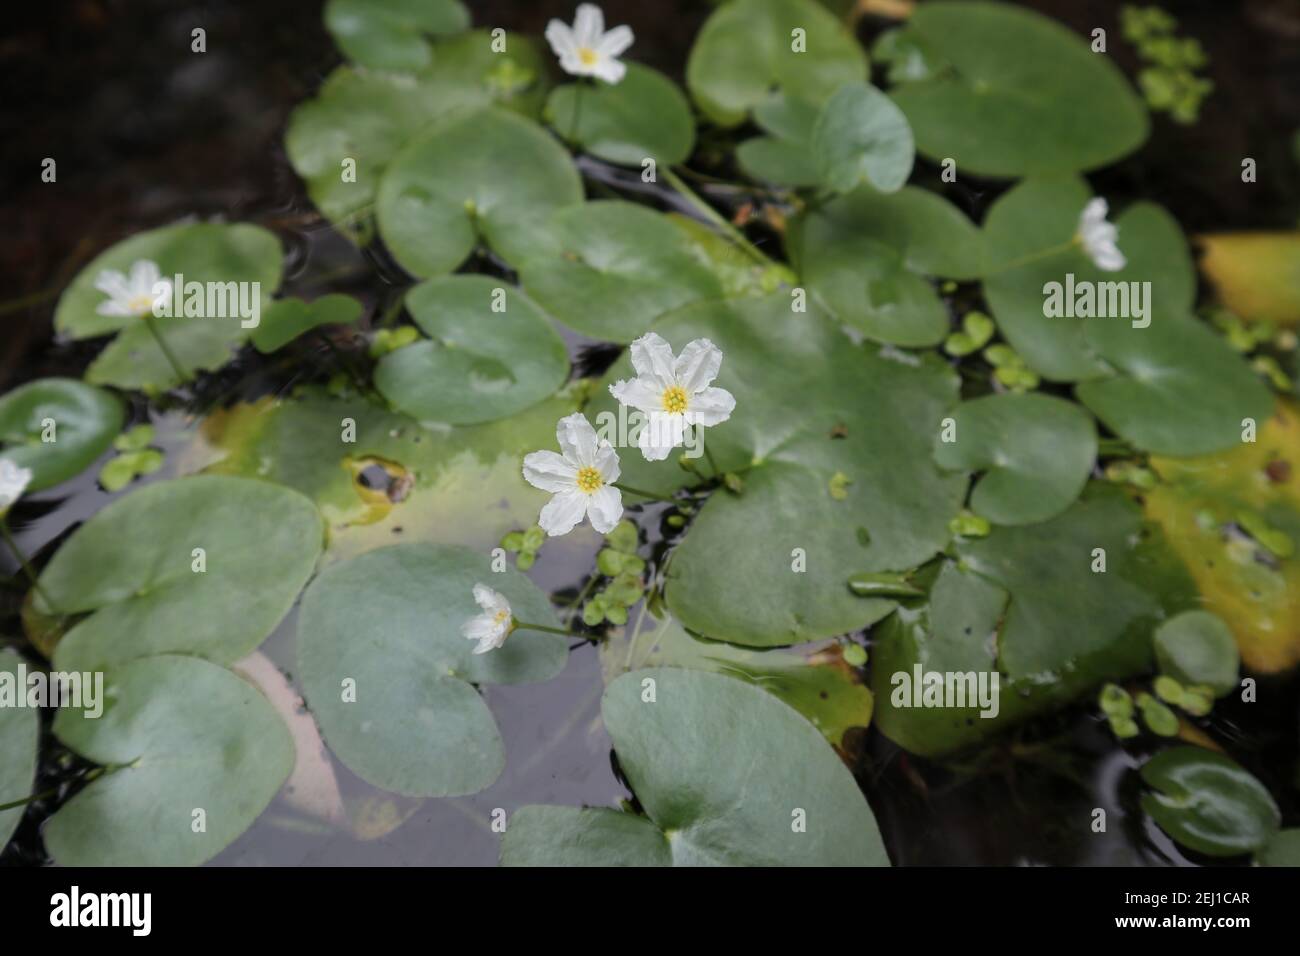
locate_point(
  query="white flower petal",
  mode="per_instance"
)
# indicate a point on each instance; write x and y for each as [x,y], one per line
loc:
[113,283]
[639,393]
[560,36]
[698,365]
[609,70]
[660,435]
[577,438]
[563,512]
[615,42]
[606,462]
[605,508]
[588,25]
[478,627]
[14,480]
[652,358]
[549,471]
[112,307]
[713,406]
[489,600]
[144,273]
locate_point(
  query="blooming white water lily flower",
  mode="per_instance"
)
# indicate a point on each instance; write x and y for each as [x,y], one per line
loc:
[585,49]
[14,480]
[1098,236]
[133,295]
[673,393]
[581,479]
[493,626]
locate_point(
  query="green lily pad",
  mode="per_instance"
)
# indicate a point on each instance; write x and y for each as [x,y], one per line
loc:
[287,319]
[85,422]
[390,34]
[487,174]
[785,155]
[1011,93]
[19,733]
[644,116]
[386,625]
[1036,453]
[1197,648]
[189,736]
[866,256]
[130,570]
[1180,390]
[758,787]
[1030,242]
[820,684]
[747,48]
[1282,850]
[1208,803]
[861,137]
[367,117]
[796,379]
[482,364]
[613,268]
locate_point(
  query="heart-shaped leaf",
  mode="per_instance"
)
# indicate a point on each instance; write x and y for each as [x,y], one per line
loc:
[612,268]
[19,732]
[643,116]
[862,137]
[1036,452]
[747,48]
[388,674]
[287,319]
[758,787]
[181,737]
[389,34]
[493,353]
[1011,93]
[1208,803]
[785,156]
[57,427]
[160,570]
[487,174]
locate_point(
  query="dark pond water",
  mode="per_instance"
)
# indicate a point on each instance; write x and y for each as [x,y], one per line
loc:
[159,134]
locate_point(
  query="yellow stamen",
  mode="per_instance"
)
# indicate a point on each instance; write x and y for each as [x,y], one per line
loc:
[140,304]
[589,480]
[587,56]
[674,399]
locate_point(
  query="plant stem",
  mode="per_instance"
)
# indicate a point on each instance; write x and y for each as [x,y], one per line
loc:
[642,494]
[577,110]
[22,560]
[166,350]
[92,775]
[717,473]
[525,626]
[713,216]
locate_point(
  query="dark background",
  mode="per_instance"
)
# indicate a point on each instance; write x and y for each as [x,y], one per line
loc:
[144,131]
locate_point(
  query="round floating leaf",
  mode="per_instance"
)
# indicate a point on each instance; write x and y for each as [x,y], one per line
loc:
[1030,237]
[799,383]
[1208,803]
[613,268]
[1010,92]
[1282,850]
[786,155]
[85,422]
[644,116]
[488,173]
[1036,452]
[744,769]
[389,34]
[1180,390]
[133,571]
[866,256]
[388,674]
[1197,648]
[187,736]
[286,319]
[201,252]
[748,47]
[862,137]
[485,362]
[19,733]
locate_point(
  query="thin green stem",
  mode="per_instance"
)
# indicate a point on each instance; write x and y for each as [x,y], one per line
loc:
[90,776]
[717,472]
[713,216]
[577,110]
[166,349]
[641,494]
[1035,256]
[525,626]
[22,561]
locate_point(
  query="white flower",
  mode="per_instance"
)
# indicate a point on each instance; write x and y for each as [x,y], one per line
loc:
[585,49]
[581,479]
[1098,237]
[14,480]
[674,394]
[135,295]
[493,626]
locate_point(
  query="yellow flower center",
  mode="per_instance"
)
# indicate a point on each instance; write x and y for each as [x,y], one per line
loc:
[501,617]
[589,480]
[140,304]
[674,400]
[587,56]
